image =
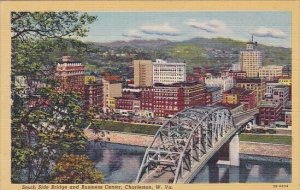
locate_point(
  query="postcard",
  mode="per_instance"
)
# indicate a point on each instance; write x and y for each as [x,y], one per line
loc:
[157,95]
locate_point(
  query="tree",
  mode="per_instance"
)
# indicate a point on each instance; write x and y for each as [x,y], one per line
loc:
[29,25]
[45,123]
[76,169]
[43,133]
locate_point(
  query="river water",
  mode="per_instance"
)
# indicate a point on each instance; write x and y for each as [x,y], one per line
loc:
[120,164]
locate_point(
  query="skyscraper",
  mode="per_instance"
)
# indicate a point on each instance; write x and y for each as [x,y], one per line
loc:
[143,73]
[70,74]
[251,59]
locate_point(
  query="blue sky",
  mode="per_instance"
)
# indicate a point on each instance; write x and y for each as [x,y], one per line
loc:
[270,28]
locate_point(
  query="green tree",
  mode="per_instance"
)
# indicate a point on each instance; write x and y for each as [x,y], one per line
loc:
[45,25]
[76,169]
[45,124]
[40,135]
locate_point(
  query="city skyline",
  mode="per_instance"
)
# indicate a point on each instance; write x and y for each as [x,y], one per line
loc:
[269,28]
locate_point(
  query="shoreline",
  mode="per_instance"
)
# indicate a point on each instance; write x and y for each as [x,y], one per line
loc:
[245,148]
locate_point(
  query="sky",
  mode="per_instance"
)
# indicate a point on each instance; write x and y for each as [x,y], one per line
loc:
[270,28]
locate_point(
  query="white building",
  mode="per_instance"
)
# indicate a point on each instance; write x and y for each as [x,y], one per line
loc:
[168,73]
[269,88]
[236,67]
[271,71]
[225,83]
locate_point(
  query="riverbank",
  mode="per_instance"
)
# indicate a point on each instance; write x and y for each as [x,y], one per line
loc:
[249,148]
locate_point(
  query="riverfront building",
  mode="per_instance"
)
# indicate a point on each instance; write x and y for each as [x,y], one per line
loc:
[269,112]
[168,73]
[129,102]
[166,100]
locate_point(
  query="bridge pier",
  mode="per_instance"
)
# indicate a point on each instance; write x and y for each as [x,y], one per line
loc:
[231,149]
[234,151]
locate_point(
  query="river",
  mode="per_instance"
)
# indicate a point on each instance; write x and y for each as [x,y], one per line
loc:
[120,164]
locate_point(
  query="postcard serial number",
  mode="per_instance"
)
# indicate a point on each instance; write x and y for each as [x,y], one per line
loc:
[281,186]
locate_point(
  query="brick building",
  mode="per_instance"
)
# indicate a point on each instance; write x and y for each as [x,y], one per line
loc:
[196,76]
[213,95]
[237,74]
[93,95]
[237,96]
[269,112]
[255,84]
[167,100]
[129,102]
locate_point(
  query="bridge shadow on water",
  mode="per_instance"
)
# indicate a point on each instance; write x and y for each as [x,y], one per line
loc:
[248,171]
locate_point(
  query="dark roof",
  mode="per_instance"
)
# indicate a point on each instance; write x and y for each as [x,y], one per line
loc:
[179,84]
[212,89]
[281,86]
[249,80]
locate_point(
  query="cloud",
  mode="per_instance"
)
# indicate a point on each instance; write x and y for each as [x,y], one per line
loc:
[269,32]
[132,34]
[164,29]
[211,26]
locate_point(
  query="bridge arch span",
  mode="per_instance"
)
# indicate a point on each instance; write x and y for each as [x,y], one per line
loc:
[184,141]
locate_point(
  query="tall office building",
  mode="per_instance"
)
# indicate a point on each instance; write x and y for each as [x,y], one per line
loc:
[70,74]
[143,73]
[168,73]
[251,59]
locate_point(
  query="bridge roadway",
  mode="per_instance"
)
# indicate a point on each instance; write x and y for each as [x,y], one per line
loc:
[165,175]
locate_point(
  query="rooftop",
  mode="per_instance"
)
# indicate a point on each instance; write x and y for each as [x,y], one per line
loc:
[237,90]
[179,84]
[249,80]
[281,86]
[212,89]
[268,104]
[271,67]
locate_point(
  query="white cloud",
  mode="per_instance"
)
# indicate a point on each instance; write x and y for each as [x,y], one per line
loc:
[269,32]
[132,34]
[164,29]
[211,26]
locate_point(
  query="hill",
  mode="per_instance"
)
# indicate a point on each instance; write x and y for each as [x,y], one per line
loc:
[195,52]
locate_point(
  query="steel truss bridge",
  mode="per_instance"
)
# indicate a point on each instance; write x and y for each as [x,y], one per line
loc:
[186,142]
